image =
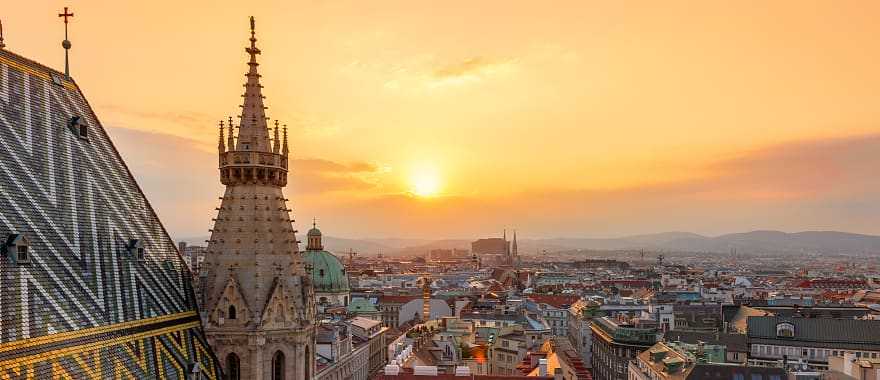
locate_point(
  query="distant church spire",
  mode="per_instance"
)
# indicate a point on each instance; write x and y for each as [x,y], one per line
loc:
[514,243]
[253,133]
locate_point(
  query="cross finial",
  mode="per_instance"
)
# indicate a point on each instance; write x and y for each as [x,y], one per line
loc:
[314,222]
[66,14]
[253,50]
[66,43]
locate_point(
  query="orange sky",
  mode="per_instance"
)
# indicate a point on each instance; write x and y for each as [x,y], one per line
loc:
[587,118]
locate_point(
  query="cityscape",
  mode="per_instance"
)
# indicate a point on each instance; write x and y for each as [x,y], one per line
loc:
[327,237]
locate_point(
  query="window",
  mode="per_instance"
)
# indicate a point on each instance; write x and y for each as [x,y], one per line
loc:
[136,250]
[785,330]
[321,273]
[22,252]
[278,366]
[17,249]
[233,367]
[231,312]
[78,127]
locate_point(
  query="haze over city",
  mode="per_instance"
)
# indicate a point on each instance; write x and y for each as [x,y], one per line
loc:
[459,119]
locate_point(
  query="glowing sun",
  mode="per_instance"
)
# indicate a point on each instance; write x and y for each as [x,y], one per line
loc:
[425,182]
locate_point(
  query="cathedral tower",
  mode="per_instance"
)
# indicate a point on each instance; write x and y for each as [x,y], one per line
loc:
[258,303]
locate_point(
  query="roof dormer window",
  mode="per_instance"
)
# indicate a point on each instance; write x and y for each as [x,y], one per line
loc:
[785,330]
[17,248]
[136,250]
[78,127]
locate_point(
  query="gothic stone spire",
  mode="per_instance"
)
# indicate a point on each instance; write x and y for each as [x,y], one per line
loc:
[253,133]
[255,288]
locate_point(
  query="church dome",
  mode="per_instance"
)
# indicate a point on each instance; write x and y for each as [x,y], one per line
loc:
[314,232]
[328,274]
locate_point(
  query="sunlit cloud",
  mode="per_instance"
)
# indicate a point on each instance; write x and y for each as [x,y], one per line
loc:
[469,71]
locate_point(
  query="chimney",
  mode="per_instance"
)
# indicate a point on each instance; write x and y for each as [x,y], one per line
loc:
[542,367]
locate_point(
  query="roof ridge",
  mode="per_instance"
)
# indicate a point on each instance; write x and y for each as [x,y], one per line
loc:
[32,62]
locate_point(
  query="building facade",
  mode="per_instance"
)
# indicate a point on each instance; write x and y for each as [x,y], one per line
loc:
[258,300]
[615,344]
[809,342]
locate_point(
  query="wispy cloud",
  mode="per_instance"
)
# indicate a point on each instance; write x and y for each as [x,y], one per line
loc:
[327,166]
[470,70]
[186,117]
[315,175]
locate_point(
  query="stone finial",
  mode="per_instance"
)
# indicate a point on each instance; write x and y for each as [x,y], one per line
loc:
[221,145]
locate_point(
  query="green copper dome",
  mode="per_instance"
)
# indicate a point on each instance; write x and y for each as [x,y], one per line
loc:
[328,274]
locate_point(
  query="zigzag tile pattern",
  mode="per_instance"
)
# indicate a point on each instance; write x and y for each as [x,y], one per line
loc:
[83,305]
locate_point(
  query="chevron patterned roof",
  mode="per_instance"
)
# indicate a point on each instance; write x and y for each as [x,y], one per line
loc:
[84,301]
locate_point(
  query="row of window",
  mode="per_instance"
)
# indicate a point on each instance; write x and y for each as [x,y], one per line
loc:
[806,353]
[17,248]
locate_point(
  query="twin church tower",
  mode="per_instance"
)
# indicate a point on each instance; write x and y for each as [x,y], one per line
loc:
[257,299]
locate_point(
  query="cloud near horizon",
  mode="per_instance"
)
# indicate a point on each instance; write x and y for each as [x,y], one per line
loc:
[819,184]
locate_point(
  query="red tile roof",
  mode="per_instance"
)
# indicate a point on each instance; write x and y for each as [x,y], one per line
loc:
[557,301]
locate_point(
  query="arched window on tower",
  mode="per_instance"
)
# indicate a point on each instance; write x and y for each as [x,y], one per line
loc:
[233,367]
[278,366]
[231,312]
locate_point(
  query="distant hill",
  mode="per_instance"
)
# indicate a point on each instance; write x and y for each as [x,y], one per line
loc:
[628,242]
[781,242]
[754,242]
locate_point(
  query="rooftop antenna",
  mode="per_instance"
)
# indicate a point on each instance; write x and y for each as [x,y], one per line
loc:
[66,43]
[2,45]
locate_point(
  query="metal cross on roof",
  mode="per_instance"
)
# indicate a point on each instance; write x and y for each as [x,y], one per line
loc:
[66,43]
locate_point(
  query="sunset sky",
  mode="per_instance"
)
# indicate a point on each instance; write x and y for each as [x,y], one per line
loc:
[460,118]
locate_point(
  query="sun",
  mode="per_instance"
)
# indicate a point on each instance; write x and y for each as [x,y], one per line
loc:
[425,183]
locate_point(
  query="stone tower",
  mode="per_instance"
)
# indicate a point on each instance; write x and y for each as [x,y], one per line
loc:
[258,303]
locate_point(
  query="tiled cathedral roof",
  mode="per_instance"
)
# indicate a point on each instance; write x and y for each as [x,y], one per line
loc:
[101,291]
